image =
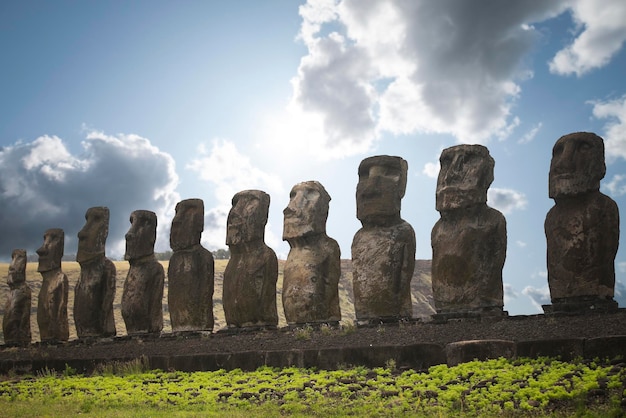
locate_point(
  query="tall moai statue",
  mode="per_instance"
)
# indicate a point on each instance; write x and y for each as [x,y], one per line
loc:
[142,297]
[252,271]
[582,228]
[191,271]
[95,290]
[313,267]
[383,250]
[469,240]
[16,320]
[52,303]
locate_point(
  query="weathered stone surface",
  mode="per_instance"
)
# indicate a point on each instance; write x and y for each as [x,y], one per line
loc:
[52,303]
[582,228]
[469,241]
[464,351]
[95,290]
[250,277]
[566,349]
[142,297]
[191,271]
[383,250]
[16,320]
[313,267]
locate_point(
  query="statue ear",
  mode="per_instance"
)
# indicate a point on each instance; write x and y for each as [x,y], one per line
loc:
[404,168]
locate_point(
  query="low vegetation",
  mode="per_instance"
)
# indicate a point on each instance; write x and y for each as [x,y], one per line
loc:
[522,387]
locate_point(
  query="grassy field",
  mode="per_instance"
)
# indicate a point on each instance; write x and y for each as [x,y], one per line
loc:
[502,388]
[72,270]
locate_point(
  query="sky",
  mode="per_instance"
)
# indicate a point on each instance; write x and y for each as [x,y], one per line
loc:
[138,105]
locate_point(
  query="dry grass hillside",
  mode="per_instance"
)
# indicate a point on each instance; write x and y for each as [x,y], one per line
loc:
[421,292]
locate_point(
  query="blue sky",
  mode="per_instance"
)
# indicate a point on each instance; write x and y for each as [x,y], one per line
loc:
[137,105]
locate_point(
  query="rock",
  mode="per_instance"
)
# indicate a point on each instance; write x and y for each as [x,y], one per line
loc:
[464,351]
[16,320]
[313,267]
[191,271]
[142,305]
[249,293]
[383,250]
[95,290]
[582,228]
[469,241]
[52,302]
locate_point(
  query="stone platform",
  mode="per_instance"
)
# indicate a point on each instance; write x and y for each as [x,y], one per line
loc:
[410,345]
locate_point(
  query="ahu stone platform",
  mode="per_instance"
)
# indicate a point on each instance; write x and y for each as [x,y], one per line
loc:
[411,345]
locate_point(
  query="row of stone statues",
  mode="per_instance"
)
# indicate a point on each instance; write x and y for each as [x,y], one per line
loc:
[468,242]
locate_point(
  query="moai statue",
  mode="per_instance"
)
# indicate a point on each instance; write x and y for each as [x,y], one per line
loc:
[383,250]
[582,228]
[16,321]
[252,271]
[142,297]
[313,267]
[469,241]
[191,271]
[95,290]
[52,303]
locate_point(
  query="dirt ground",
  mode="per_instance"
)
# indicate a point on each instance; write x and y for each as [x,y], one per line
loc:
[518,328]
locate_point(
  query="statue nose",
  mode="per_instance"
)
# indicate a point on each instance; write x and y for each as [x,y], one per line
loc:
[565,160]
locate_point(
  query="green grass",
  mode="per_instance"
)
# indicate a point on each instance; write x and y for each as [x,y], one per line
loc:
[503,388]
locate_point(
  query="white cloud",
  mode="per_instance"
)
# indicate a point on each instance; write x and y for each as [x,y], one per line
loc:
[506,200]
[621,266]
[509,293]
[42,186]
[521,244]
[432,169]
[230,172]
[617,185]
[602,33]
[405,67]
[51,158]
[538,295]
[615,128]
[530,135]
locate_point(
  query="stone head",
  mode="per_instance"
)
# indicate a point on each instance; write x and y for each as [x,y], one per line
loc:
[187,225]
[247,217]
[465,175]
[51,252]
[141,236]
[17,268]
[307,210]
[92,238]
[577,165]
[381,187]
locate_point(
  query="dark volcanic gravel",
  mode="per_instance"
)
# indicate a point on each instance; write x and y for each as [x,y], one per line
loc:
[517,328]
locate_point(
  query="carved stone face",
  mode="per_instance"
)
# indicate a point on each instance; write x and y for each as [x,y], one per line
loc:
[381,187]
[465,175]
[187,225]
[307,211]
[247,217]
[51,252]
[141,236]
[92,238]
[577,165]
[17,268]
